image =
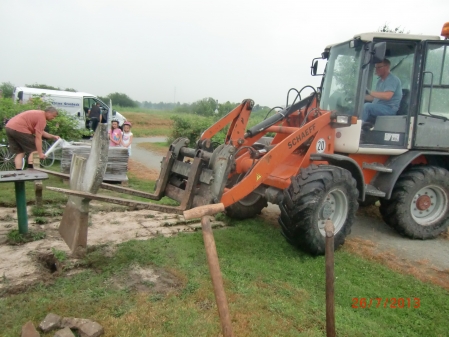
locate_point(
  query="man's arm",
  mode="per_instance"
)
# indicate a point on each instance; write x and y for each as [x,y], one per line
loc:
[49,135]
[384,96]
[38,143]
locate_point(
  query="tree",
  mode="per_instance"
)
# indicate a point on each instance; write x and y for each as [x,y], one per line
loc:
[70,89]
[41,86]
[386,29]
[7,89]
[205,106]
[121,99]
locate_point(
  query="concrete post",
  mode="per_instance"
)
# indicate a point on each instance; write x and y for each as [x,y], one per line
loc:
[86,175]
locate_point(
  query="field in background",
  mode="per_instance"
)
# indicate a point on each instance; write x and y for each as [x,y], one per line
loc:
[149,123]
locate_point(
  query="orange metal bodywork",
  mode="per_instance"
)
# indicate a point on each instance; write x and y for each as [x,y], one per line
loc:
[238,118]
[368,175]
[294,145]
[275,168]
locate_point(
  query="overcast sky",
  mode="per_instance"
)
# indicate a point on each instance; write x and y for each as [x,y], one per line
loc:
[188,50]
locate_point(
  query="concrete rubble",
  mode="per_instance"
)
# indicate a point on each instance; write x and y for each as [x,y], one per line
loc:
[28,330]
[66,332]
[50,322]
[65,326]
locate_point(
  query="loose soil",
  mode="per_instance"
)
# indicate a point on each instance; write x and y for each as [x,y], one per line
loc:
[33,262]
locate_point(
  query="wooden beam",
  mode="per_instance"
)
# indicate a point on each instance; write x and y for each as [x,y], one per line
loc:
[119,201]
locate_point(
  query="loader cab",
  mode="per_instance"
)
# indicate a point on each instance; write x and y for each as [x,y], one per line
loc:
[392,131]
[422,65]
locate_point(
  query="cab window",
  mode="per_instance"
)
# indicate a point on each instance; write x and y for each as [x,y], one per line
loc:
[402,59]
[435,89]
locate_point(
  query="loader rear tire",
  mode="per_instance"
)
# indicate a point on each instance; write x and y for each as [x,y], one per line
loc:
[419,205]
[247,208]
[316,194]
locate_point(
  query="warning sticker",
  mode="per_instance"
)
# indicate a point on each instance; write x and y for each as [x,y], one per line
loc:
[392,137]
[258,176]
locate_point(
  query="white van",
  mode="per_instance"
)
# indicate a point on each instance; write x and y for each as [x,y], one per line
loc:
[76,104]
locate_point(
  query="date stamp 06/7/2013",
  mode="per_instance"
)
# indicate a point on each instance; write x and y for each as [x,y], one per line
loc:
[388,302]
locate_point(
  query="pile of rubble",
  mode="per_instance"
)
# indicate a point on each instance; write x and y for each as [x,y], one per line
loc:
[64,327]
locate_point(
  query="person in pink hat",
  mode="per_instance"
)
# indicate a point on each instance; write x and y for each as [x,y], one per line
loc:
[127,137]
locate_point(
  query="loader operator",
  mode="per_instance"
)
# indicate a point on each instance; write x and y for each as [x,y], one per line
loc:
[387,97]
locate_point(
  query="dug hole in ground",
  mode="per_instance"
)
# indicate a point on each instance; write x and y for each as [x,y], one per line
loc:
[22,265]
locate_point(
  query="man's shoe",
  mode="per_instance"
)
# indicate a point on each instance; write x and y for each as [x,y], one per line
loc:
[367,126]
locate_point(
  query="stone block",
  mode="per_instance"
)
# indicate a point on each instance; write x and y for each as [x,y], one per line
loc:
[28,330]
[66,332]
[91,329]
[50,322]
[73,323]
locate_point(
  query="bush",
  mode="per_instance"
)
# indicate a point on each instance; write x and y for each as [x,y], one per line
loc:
[7,89]
[192,127]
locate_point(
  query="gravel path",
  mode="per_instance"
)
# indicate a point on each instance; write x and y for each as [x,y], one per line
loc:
[149,159]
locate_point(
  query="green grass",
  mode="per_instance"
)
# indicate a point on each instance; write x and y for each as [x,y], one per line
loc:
[13,237]
[158,147]
[59,255]
[40,220]
[272,290]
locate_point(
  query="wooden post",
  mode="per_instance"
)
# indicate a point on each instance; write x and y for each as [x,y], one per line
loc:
[37,183]
[217,280]
[199,212]
[212,260]
[329,255]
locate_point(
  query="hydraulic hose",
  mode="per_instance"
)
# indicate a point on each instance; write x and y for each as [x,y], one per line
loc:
[278,117]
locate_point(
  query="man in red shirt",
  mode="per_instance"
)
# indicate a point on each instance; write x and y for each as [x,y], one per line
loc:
[25,132]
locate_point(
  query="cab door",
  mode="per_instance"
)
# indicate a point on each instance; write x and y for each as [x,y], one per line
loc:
[432,122]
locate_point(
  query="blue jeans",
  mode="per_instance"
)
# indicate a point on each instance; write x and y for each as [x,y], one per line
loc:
[374,110]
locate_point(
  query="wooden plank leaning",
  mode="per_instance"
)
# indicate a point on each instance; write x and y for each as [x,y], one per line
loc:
[212,260]
[86,175]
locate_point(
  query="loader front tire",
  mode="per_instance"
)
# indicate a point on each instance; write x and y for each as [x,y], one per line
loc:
[419,205]
[316,194]
[247,208]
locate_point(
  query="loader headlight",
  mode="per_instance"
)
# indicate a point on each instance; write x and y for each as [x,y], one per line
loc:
[343,119]
[338,121]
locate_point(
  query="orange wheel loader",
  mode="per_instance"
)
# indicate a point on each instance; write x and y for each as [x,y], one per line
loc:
[317,160]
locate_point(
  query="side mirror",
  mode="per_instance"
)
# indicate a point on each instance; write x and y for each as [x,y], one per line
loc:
[314,68]
[378,52]
[114,112]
